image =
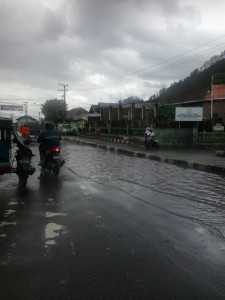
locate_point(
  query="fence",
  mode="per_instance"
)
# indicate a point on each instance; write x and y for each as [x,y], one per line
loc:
[174,137]
[210,138]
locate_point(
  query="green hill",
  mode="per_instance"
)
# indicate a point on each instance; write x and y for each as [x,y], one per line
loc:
[193,87]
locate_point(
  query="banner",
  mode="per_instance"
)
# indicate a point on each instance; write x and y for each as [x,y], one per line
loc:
[188,114]
[11,107]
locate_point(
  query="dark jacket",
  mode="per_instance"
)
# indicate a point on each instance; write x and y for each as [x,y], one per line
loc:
[49,138]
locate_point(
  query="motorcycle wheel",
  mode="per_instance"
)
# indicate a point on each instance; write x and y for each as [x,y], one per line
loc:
[147,145]
[22,180]
[156,146]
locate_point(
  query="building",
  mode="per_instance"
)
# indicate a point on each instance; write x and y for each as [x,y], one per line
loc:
[77,118]
[214,103]
[121,114]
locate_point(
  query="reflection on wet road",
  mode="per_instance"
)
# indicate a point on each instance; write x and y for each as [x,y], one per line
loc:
[115,227]
[195,195]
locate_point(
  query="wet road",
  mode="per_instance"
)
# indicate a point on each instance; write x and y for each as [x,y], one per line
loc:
[113,227]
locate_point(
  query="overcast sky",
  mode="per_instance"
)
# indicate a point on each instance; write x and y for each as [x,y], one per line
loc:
[105,50]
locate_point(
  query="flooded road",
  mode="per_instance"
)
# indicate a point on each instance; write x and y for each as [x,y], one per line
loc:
[192,194]
[113,227]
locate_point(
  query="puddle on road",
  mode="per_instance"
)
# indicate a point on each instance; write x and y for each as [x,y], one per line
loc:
[13,203]
[200,230]
[3,224]
[8,212]
[50,243]
[49,214]
[53,230]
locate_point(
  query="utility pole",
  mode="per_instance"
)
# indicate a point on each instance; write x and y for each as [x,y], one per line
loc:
[25,108]
[64,89]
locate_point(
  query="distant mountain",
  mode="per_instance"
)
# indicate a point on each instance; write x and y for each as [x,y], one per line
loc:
[131,99]
[195,86]
[212,61]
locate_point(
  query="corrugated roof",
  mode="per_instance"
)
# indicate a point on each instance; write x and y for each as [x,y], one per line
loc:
[218,92]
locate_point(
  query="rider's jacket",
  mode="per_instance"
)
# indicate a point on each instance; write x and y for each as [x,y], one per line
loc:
[24,130]
[49,138]
[148,133]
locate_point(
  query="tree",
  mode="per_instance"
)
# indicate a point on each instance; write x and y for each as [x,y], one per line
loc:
[54,110]
[166,112]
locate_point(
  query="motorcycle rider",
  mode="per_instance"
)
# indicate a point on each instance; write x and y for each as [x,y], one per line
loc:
[25,133]
[47,139]
[149,133]
[25,130]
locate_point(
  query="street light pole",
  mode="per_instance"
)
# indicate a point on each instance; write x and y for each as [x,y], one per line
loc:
[212,98]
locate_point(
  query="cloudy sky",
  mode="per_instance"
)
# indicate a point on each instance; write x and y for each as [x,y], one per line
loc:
[105,50]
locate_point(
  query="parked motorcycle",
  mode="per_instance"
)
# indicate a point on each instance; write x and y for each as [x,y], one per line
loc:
[53,162]
[151,142]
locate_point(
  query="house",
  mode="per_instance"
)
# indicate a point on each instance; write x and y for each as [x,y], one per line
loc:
[94,116]
[213,107]
[214,103]
[77,117]
[138,114]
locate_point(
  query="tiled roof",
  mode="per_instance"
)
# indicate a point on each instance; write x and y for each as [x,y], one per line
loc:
[217,92]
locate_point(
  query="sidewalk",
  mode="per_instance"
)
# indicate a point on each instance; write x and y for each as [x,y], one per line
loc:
[204,160]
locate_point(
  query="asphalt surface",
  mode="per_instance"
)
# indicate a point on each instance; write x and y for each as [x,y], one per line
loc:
[207,160]
[92,234]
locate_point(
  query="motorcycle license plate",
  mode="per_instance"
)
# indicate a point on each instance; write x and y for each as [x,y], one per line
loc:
[58,157]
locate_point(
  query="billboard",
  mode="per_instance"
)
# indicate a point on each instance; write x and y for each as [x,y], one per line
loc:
[11,107]
[188,114]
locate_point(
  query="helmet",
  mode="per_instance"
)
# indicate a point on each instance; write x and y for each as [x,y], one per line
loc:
[147,128]
[49,125]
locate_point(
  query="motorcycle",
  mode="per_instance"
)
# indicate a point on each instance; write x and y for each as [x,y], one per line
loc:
[53,162]
[18,162]
[23,167]
[26,139]
[151,142]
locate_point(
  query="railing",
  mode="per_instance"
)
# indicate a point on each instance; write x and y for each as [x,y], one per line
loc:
[210,137]
[126,130]
[168,137]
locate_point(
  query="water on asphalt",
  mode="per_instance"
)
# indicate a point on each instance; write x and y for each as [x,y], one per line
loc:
[110,216]
[192,194]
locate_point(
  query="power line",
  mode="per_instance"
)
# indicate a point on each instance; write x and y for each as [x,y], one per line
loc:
[162,66]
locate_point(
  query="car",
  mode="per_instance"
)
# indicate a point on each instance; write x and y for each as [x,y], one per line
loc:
[65,129]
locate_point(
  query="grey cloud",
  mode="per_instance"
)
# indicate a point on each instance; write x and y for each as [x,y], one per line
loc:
[53,25]
[83,42]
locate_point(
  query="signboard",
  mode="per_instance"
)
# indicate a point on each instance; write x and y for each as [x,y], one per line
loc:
[11,107]
[218,127]
[188,114]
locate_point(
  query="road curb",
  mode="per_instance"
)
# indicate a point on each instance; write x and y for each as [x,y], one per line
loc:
[174,161]
[220,153]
